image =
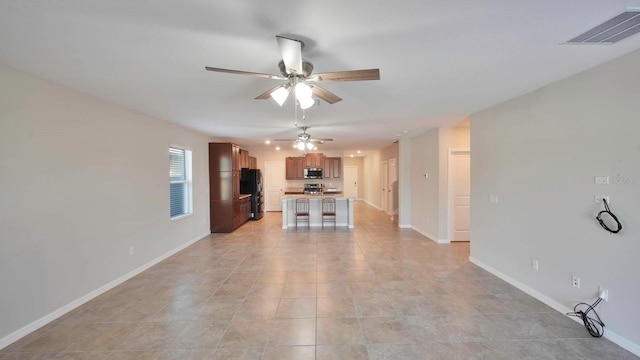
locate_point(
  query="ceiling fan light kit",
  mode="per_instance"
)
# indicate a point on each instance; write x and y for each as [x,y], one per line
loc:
[281,94]
[296,70]
[304,95]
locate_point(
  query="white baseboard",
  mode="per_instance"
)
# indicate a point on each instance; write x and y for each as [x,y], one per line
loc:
[25,330]
[375,206]
[621,341]
[431,237]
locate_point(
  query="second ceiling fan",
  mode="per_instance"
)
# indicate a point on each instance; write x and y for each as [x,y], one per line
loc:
[298,73]
[304,140]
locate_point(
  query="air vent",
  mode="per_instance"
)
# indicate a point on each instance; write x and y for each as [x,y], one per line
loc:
[611,31]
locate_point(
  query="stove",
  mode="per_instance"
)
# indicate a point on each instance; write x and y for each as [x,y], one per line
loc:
[313,189]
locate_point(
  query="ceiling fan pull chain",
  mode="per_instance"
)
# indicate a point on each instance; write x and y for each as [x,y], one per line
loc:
[295,111]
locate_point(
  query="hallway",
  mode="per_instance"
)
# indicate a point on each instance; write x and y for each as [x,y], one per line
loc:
[375,292]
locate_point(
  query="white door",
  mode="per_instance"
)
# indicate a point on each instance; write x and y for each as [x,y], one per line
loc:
[350,187]
[274,183]
[384,183]
[460,199]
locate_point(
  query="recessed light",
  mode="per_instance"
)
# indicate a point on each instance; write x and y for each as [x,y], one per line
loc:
[315,148]
[397,135]
[267,142]
[405,131]
[351,155]
[359,151]
[277,147]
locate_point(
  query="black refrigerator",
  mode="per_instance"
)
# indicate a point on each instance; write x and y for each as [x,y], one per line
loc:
[251,183]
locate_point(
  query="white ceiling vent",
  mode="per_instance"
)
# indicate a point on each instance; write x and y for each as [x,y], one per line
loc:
[611,31]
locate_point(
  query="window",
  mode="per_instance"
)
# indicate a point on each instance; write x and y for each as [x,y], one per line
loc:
[180,187]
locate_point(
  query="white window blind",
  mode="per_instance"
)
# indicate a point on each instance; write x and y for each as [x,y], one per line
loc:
[180,193]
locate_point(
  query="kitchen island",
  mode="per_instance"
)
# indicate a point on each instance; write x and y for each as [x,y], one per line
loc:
[344,210]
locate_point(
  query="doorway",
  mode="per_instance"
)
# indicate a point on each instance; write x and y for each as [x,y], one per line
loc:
[351,181]
[459,195]
[274,184]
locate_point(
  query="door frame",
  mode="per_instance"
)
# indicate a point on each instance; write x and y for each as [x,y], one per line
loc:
[384,185]
[390,194]
[265,186]
[453,152]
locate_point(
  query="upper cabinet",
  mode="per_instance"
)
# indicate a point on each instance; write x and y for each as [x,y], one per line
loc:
[235,149]
[313,160]
[332,168]
[244,159]
[221,157]
[253,162]
[295,168]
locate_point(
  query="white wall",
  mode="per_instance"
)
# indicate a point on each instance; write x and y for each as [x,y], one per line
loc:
[448,138]
[540,153]
[371,184]
[404,183]
[424,190]
[81,181]
[430,195]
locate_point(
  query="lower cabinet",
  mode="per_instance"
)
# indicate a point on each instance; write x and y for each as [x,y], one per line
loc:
[241,211]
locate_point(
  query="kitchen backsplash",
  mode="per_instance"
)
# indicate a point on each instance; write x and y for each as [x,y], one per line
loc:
[328,183]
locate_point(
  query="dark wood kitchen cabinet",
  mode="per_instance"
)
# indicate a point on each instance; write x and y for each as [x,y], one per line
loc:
[224,187]
[295,168]
[313,160]
[244,159]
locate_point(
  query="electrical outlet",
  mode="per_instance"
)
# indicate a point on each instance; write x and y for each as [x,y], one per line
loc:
[534,264]
[131,251]
[603,293]
[575,281]
[494,199]
[602,180]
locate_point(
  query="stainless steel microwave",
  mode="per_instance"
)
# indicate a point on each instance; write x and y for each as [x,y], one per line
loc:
[313,173]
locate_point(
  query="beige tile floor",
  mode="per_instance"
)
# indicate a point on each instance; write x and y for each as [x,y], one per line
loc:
[375,292]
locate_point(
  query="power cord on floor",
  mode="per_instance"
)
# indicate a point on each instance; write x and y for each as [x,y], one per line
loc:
[594,325]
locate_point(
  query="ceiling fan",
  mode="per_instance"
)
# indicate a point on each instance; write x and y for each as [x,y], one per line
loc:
[298,73]
[304,140]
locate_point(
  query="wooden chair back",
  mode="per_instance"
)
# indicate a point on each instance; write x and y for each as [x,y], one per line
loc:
[302,210]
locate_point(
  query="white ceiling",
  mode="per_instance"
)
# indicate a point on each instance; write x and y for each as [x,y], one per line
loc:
[439,60]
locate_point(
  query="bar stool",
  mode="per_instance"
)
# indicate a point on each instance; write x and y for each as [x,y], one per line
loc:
[302,211]
[329,211]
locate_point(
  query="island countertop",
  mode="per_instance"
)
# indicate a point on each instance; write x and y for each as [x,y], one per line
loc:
[344,210]
[313,196]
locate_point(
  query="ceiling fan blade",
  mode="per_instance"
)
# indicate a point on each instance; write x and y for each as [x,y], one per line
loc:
[285,139]
[267,94]
[325,94]
[238,72]
[291,51]
[320,140]
[354,75]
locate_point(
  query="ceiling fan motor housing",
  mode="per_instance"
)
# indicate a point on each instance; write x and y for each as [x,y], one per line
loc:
[307,69]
